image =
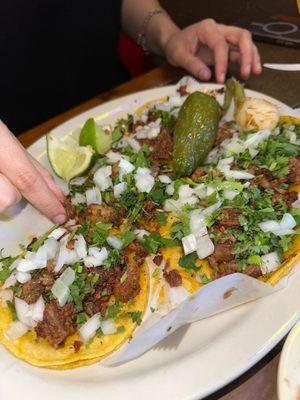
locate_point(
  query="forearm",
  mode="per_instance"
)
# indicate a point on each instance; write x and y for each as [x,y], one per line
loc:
[158,30]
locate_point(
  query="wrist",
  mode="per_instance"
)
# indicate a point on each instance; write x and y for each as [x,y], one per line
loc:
[159,31]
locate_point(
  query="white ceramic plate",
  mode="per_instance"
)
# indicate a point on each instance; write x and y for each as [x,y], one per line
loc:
[192,363]
[289,367]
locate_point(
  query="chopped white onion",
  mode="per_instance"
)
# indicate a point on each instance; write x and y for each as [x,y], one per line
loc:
[164,179]
[57,233]
[224,166]
[10,281]
[176,205]
[114,242]
[99,254]
[205,246]
[211,209]
[93,196]
[119,189]
[189,244]
[38,309]
[197,223]
[88,330]
[15,330]
[238,174]
[170,189]
[210,190]
[141,233]
[78,198]
[288,221]
[230,194]
[26,265]
[91,261]
[23,277]
[284,227]
[24,311]
[6,295]
[65,256]
[108,327]
[114,156]
[60,289]
[51,247]
[40,258]
[144,180]
[80,246]
[185,192]
[126,167]
[201,190]
[129,140]
[102,178]
[269,262]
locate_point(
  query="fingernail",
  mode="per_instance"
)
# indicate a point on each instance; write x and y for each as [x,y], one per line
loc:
[222,77]
[247,69]
[204,73]
[59,219]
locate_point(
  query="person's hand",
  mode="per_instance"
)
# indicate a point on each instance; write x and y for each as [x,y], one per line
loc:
[21,175]
[206,43]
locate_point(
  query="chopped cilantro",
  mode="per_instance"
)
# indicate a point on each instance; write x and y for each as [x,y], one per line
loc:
[12,309]
[121,329]
[95,233]
[204,279]
[162,218]
[113,258]
[37,243]
[153,241]
[188,262]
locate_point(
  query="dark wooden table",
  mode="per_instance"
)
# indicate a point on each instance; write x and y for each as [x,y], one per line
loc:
[259,383]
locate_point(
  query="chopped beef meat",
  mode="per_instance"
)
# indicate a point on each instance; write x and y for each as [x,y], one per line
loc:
[173,278]
[77,345]
[223,253]
[140,253]
[51,264]
[287,197]
[32,290]
[232,267]
[47,280]
[97,301]
[198,173]
[253,270]
[162,146]
[149,206]
[182,90]
[115,169]
[70,210]
[58,323]
[158,259]
[224,132]
[229,217]
[130,287]
[152,117]
[294,175]
[102,213]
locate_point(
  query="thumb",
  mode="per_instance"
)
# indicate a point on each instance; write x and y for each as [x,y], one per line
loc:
[194,65]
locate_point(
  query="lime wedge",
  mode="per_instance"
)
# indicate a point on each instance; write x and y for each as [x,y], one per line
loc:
[68,160]
[95,136]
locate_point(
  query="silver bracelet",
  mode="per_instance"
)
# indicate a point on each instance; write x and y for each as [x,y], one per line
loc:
[141,39]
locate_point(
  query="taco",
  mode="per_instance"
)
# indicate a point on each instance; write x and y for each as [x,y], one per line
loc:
[173,205]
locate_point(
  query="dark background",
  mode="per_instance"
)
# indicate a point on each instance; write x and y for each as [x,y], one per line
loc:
[186,12]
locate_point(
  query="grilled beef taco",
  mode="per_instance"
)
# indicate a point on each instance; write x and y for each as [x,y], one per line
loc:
[181,196]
